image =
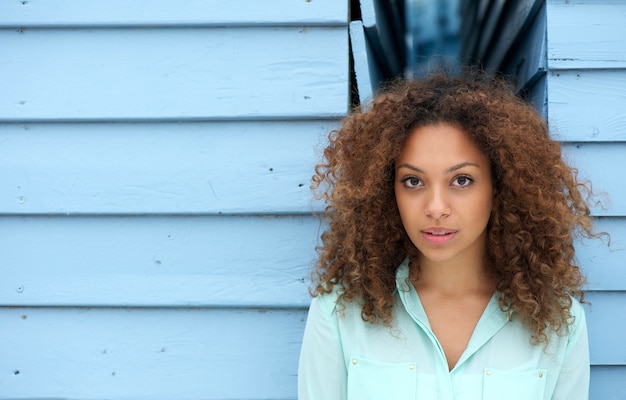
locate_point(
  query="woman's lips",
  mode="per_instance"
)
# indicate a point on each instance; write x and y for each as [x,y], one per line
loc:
[438,235]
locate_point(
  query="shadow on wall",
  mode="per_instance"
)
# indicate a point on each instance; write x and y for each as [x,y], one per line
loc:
[391,38]
[432,37]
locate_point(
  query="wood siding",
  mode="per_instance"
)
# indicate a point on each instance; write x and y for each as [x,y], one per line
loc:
[586,104]
[569,58]
[156,159]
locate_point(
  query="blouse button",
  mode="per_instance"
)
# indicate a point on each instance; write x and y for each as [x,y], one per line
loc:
[353,362]
[412,367]
[541,374]
[488,372]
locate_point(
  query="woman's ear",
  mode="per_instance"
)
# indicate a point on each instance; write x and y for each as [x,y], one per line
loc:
[494,199]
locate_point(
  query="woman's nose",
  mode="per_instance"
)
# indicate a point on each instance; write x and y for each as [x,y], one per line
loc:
[437,205]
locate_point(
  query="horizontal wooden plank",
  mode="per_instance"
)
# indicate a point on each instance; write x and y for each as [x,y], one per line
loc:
[172,261]
[608,383]
[600,164]
[171,168]
[587,105]
[195,168]
[77,13]
[606,332]
[194,353]
[173,74]
[157,261]
[586,34]
[156,354]
[603,261]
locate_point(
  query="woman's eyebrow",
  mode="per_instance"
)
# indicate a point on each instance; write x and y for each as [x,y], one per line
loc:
[409,166]
[451,169]
[461,165]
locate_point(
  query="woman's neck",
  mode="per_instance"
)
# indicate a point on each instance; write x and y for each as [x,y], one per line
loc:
[459,278]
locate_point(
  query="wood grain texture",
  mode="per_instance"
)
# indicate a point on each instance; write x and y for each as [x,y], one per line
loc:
[157,261]
[155,354]
[171,261]
[165,168]
[199,353]
[606,332]
[603,260]
[607,382]
[159,156]
[583,97]
[584,34]
[100,13]
[173,74]
[204,168]
[602,165]
[191,304]
[587,106]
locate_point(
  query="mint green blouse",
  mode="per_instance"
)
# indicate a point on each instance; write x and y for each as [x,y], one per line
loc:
[343,357]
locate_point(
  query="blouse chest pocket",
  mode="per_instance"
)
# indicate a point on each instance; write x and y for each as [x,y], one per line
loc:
[514,385]
[369,379]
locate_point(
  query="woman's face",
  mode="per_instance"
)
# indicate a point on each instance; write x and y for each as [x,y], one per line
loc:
[444,193]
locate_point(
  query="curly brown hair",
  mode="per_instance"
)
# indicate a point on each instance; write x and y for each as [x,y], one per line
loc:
[539,204]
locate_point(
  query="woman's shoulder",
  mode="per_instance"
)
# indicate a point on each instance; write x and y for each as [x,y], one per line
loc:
[577,315]
[333,302]
[328,301]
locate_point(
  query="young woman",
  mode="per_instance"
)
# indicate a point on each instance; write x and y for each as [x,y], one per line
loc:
[447,270]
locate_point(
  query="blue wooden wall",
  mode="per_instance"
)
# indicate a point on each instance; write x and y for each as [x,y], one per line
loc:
[586,106]
[155,158]
[569,58]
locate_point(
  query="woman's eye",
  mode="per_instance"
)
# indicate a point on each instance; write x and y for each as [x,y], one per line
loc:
[462,181]
[411,182]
